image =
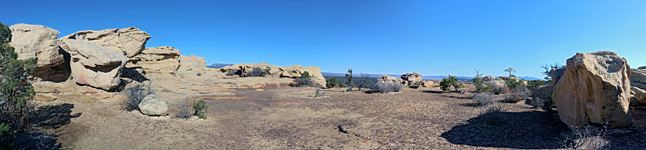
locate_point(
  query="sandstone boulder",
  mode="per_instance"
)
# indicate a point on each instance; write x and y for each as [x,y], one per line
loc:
[36,41]
[128,41]
[191,64]
[387,78]
[594,87]
[94,65]
[245,70]
[163,59]
[412,78]
[152,105]
[293,71]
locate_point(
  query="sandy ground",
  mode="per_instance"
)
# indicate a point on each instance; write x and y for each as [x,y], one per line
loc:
[292,118]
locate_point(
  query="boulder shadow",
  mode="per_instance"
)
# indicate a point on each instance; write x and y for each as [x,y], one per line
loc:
[517,130]
[53,116]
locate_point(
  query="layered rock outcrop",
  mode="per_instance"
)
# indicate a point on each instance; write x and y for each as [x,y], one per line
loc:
[411,79]
[191,64]
[638,84]
[163,59]
[94,65]
[594,88]
[37,41]
[127,41]
[294,71]
[387,78]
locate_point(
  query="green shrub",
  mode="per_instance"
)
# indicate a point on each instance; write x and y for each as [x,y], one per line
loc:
[200,109]
[306,75]
[533,84]
[479,83]
[332,82]
[6,136]
[199,74]
[304,81]
[513,83]
[446,83]
[348,80]
[15,89]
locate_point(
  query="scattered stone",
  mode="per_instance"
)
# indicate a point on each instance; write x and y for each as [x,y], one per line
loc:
[594,88]
[152,105]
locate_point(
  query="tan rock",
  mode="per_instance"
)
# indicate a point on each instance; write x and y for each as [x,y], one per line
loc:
[94,65]
[594,88]
[293,71]
[163,59]
[128,41]
[191,64]
[638,75]
[243,70]
[315,75]
[412,78]
[36,41]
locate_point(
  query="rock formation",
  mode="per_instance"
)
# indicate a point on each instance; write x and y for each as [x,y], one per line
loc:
[94,65]
[163,59]
[638,84]
[37,41]
[411,79]
[128,41]
[387,78]
[191,64]
[294,71]
[594,87]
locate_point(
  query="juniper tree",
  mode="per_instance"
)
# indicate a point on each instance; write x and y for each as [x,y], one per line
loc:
[14,85]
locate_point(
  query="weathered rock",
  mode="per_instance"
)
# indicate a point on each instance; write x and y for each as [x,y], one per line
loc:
[387,78]
[191,64]
[638,75]
[36,41]
[163,59]
[544,92]
[594,88]
[293,71]
[489,78]
[128,41]
[152,105]
[412,78]
[94,65]
[642,67]
[640,94]
[243,70]
[315,75]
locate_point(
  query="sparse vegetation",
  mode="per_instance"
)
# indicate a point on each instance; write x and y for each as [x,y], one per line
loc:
[348,80]
[478,81]
[364,81]
[135,94]
[534,84]
[184,111]
[511,72]
[200,109]
[319,93]
[305,80]
[199,74]
[588,137]
[517,94]
[446,83]
[548,68]
[259,72]
[498,87]
[6,136]
[386,87]
[492,115]
[482,99]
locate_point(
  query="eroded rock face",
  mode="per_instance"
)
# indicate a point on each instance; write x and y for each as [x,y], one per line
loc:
[412,79]
[638,84]
[152,105]
[191,64]
[94,65]
[294,71]
[36,41]
[163,59]
[127,41]
[594,87]
[387,78]
[243,70]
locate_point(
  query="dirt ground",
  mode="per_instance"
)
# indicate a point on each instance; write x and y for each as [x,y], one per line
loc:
[292,118]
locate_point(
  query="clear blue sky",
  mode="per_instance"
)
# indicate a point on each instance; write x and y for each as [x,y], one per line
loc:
[372,36]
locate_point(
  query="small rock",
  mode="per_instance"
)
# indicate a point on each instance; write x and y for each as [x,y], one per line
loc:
[151,105]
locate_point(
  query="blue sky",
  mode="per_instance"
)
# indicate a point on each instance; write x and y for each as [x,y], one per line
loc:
[373,36]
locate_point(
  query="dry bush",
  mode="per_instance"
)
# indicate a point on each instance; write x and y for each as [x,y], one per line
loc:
[185,111]
[385,87]
[482,99]
[517,94]
[492,115]
[588,137]
[498,88]
[134,95]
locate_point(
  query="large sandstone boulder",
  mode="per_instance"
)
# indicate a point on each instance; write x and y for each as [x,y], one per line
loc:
[36,41]
[295,71]
[412,78]
[594,87]
[387,78]
[94,65]
[191,64]
[152,105]
[163,59]
[128,41]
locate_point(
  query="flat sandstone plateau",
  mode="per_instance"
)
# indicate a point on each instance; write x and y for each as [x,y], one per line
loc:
[279,117]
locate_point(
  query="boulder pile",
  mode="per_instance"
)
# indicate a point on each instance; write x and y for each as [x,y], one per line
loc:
[593,88]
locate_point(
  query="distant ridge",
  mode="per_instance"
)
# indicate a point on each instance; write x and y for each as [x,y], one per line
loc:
[216,65]
[433,78]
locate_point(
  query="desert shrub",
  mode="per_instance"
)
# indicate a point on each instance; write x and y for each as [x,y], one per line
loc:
[492,115]
[200,109]
[304,81]
[513,83]
[364,81]
[588,137]
[134,95]
[199,74]
[184,111]
[482,99]
[259,72]
[348,80]
[538,102]
[535,84]
[478,81]
[517,94]
[319,93]
[332,82]
[15,89]
[446,83]
[6,136]
[497,87]
[385,87]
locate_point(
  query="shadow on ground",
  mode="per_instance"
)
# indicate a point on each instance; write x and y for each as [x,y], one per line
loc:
[518,130]
[45,117]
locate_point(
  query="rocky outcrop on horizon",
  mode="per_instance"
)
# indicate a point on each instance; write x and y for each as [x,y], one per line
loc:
[294,71]
[594,88]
